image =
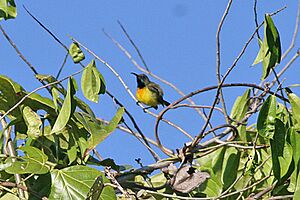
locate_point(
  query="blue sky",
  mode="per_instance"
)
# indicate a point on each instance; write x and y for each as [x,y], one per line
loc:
[176,38]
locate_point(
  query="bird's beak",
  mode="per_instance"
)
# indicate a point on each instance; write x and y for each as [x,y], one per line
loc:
[134,73]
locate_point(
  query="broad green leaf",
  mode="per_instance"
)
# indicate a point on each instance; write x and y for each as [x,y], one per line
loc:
[76,53]
[282,152]
[103,84]
[98,137]
[217,161]
[75,182]
[230,166]
[262,51]
[66,111]
[239,109]
[8,9]
[240,106]
[33,162]
[92,82]
[295,103]
[10,94]
[33,122]
[72,154]
[282,113]
[266,118]
[295,142]
[212,187]
[83,144]
[286,159]
[270,49]
[273,38]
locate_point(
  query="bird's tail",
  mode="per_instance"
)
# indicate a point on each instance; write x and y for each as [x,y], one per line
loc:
[166,103]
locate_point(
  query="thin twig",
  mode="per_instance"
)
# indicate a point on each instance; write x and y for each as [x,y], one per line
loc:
[255,18]
[261,193]
[62,66]
[294,34]
[218,62]
[21,55]
[45,28]
[196,106]
[135,47]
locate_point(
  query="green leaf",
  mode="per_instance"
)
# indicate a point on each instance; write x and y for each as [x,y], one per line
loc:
[33,122]
[72,154]
[217,161]
[273,38]
[76,53]
[66,111]
[33,162]
[238,111]
[282,152]
[8,9]
[92,82]
[83,144]
[212,187]
[75,182]
[270,49]
[55,95]
[262,51]
[266,118]
[230,166]
[97,138]
[295,103]
[240,106]
[295,142]
[10,94]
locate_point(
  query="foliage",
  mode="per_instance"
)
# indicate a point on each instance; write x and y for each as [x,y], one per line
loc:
[54,136]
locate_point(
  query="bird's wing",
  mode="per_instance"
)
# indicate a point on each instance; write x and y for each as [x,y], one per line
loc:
[155,88]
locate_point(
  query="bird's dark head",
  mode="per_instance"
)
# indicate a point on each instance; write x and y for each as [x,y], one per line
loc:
[142,80]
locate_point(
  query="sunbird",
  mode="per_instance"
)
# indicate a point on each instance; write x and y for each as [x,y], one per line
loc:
[148,92]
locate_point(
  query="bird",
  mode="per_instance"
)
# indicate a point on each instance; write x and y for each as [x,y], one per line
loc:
[148,92]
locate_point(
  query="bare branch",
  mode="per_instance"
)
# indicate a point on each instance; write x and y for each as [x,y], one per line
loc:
[294,34]
[218,63]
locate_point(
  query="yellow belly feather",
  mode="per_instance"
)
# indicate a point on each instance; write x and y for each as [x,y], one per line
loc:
[145,96]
